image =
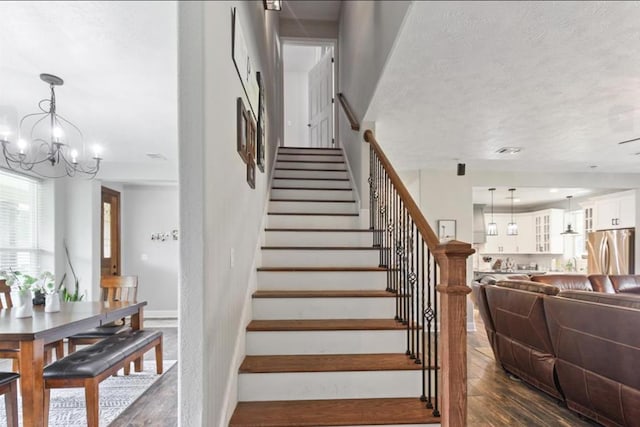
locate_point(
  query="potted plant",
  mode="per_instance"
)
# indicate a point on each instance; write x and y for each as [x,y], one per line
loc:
[46,288]
[65,294]
[21,285]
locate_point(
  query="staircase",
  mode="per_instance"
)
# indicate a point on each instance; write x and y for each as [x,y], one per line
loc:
[323,348]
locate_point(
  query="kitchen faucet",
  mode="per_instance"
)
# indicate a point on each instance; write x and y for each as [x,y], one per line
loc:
[575,263]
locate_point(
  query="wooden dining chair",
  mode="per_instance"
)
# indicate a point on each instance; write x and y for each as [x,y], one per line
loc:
[112,288]
[9,350]
[9,388]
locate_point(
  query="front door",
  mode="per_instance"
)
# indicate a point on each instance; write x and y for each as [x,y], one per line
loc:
[110,232]
[321,102]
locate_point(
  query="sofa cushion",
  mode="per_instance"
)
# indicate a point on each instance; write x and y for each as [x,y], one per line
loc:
[628,283]
[529,286]
[565,281]
[620,300]
[601,283]
[488,280]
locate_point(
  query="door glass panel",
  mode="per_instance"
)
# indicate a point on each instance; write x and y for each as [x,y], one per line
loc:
[106,227]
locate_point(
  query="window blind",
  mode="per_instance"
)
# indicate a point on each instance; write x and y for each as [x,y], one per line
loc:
[20,215]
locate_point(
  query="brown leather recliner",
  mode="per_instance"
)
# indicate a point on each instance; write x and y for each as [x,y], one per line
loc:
[626,283]
[480,298]
[601,283]
[522,340]
[578,282]
[597,345]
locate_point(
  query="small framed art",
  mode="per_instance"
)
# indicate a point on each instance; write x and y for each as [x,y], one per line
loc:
[243,126]
[446,229]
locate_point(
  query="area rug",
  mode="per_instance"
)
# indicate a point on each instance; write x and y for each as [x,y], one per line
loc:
[116,394]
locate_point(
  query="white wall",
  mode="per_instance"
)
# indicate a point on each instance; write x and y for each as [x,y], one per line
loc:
[367,32]
[308,28]
[221,216]
[296,108]
[148,210]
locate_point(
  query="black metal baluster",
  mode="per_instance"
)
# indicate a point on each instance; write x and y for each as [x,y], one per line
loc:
[411,287]
[425,365]
[428,315]
[416,291]
[436,411]
[394,248]
[371,166]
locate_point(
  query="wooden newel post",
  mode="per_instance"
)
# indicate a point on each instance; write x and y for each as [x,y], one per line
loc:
[452,260]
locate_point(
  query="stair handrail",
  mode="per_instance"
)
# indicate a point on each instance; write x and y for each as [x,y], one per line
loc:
[389,197]
[353,121]
[421,222]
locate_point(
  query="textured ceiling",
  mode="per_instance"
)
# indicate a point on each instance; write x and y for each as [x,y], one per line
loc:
[559,79]
[119,63]
[325,10]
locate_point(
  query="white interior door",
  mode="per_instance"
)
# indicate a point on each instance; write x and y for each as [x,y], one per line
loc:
[321,102]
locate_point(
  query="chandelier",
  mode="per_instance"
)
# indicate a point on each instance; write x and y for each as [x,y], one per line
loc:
[43,137]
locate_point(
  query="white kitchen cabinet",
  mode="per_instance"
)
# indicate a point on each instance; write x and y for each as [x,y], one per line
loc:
[615,211]
[498,244]
[548,226]
[526,239]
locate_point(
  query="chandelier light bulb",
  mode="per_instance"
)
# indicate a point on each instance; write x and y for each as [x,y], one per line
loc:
[74,156]
[97,150]
[57,133]
[22,145]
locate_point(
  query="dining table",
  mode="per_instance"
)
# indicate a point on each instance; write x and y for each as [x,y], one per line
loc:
[31,334]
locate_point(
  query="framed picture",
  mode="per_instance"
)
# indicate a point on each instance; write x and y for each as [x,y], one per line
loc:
[446,229]
[251,137]
[251,173]
[262,119]
[241,144]
[242,61]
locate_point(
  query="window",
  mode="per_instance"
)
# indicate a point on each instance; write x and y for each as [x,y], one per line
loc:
[19,219]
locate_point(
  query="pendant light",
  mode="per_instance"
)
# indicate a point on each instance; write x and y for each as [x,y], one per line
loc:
[492,227]
[512,227]
[569,230]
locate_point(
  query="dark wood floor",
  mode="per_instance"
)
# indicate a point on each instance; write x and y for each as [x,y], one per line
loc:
[157,407]
[495,399]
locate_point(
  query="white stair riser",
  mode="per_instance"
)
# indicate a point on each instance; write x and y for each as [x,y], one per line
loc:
[312,194]
[313,221]
[313,207]
[320,258]
[323,308]
[328,385]
[324,342]
[309,174]
[316,238]
[313,166]
[308,183]
[322,280]
[310,158]
[293,150]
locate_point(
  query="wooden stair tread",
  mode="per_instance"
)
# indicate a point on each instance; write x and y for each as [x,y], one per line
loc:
[328,363]
[311,188]
[338,154]
[323,248]
[302,178]
[340,412]
[313,213]
[332,230]
[309,161]
[307,269]
[312,170]
[324,294]
[326,325]
[312,200]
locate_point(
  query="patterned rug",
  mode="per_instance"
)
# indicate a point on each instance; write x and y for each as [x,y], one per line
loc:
[116,394]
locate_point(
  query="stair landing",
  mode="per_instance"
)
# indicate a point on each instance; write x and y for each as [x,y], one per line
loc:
[343,412]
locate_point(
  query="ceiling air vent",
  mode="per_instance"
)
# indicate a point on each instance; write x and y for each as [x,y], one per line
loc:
[509,150]
[156,156]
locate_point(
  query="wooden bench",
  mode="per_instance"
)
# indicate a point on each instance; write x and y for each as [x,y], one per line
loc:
[88,367]
[9,388]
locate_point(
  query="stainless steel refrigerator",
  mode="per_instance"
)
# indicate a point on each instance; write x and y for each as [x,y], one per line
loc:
[611,251]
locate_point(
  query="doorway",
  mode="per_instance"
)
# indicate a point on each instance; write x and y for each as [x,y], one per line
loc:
[309,94]
[110,233]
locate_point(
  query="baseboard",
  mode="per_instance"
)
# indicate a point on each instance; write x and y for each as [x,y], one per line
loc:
[161,314]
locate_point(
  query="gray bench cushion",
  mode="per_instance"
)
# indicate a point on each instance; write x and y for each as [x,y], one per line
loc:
[92,361]
[7,377]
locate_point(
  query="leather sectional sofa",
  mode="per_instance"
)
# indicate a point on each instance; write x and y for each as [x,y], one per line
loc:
[578,346]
